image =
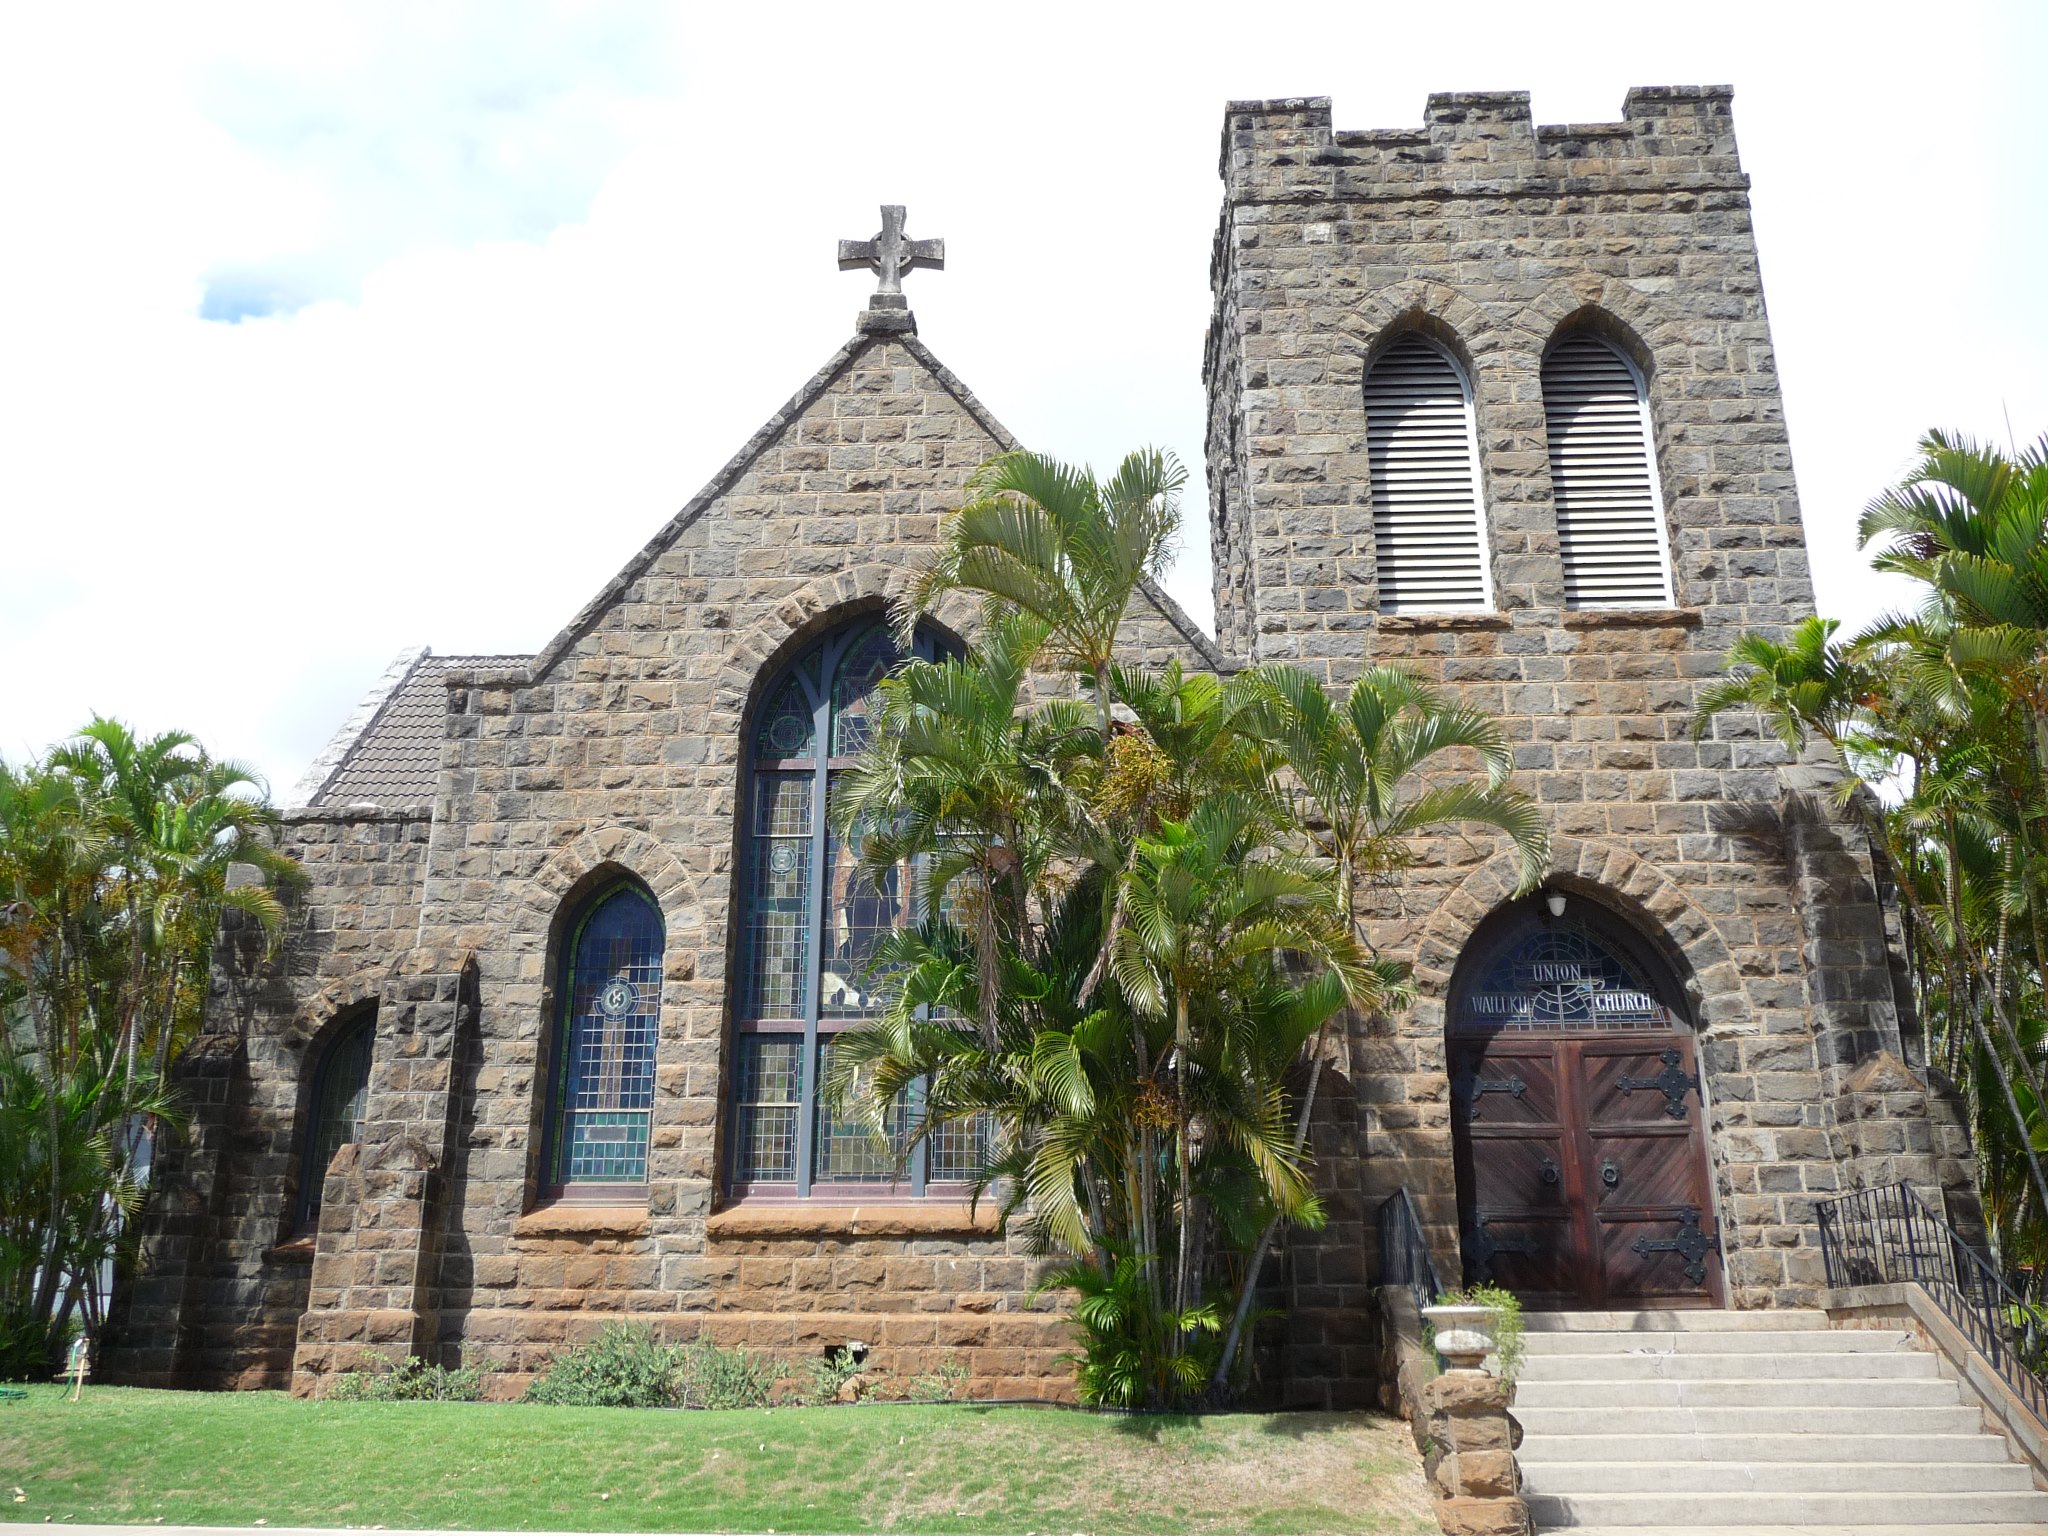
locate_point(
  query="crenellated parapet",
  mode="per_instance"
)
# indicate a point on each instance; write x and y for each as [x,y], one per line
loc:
[1480,143]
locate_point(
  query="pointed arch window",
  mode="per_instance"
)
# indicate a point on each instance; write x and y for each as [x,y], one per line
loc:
[809,924]
[341,1089]
[1603,475]
[610,991]
[1423,456]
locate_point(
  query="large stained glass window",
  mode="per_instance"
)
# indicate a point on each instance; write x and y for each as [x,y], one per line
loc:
[810,924]
[611,1014]
[341,1086]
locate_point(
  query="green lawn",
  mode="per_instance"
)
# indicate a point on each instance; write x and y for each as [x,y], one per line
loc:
[236,1458]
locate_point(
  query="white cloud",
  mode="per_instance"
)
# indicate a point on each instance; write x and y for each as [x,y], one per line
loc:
[536,272]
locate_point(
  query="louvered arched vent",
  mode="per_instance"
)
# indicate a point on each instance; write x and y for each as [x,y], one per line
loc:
[1425,481]
[1610,518]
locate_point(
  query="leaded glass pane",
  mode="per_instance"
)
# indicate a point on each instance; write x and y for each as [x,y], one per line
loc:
[958,1149]
[848,1150]
[860,908]
[767,1098]
[779,895]
[1560,978]
[789,727]
[343,1089]
[614,1015]
[866,662]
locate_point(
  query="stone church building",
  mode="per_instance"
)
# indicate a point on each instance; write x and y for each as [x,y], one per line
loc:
[1491,401]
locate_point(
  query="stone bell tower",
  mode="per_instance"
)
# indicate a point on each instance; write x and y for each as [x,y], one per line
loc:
[1479,245]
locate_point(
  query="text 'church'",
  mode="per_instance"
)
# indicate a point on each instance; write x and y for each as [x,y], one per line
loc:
[1491,401]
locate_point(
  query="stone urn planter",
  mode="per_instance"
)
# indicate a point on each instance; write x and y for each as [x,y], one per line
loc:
[1464,1334]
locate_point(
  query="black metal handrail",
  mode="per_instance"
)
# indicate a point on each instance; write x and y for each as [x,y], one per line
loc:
[1404,1256]
[1889,1236]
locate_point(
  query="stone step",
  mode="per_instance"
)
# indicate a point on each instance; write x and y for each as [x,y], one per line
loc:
[1661,1365]
[1593,1418]
[1859,1510]
[1739,1392]
[1935,1529]
[1553,1449]
[1678,1320]
[1776,1477]
[1806,1341]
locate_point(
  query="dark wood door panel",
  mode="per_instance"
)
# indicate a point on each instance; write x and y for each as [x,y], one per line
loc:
[1631,1082]
[1536,1258]
[1638,1169]
[1521,1172]
[1505,1083]
[1660,1260]
[1582,1168]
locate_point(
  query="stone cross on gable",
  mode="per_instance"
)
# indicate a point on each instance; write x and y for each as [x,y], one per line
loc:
[889,254]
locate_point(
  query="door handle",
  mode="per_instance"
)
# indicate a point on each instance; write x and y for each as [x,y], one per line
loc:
[1610,1175]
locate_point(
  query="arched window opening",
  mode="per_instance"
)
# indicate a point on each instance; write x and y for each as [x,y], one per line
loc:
[1603,475]
[1579,972]
[810,923]
[1423,456]
[341,1088]
[610,988]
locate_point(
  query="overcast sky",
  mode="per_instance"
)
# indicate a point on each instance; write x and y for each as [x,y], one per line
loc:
[330,330]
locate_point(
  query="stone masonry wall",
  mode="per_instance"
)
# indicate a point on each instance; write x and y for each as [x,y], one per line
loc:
[618,752]
[1494,235]
[224,1272]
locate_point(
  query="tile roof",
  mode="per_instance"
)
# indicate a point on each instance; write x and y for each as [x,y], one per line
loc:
[396,758]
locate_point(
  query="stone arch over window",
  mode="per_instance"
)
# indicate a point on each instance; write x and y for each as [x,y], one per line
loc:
[1422,448]
[337,1094]
[608,993]
[808,922]
[1613,541]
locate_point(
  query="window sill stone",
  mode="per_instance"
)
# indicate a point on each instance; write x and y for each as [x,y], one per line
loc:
[298,1250]
[809,1219]
[1425,623]
[1632,618]
[569,1219]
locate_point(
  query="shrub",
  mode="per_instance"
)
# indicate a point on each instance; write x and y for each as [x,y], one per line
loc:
[411,1380]
[623,1367]
[628,1367]
[943,1385]
[710,1377]
[820,1378]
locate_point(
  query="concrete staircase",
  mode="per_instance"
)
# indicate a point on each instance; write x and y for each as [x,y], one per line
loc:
[1751,1422]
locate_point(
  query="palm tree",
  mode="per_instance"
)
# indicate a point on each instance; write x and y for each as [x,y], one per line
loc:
[1370,777]
[1208,897]
[115,859]
[1052,542]
[1940,718]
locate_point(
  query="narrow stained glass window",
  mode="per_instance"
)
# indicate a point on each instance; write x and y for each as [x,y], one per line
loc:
[341,1088]
[767,1093]
[779,895]
[849,1151]
[612,1016]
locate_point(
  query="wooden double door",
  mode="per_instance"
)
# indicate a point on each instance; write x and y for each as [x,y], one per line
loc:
[1582,1168]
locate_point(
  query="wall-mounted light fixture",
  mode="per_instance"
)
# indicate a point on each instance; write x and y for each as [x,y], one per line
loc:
[1555,901]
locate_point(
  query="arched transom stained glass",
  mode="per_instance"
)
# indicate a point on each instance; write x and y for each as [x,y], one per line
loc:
[611,1002]
[341,1087]
[810,922]
[1561,976]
